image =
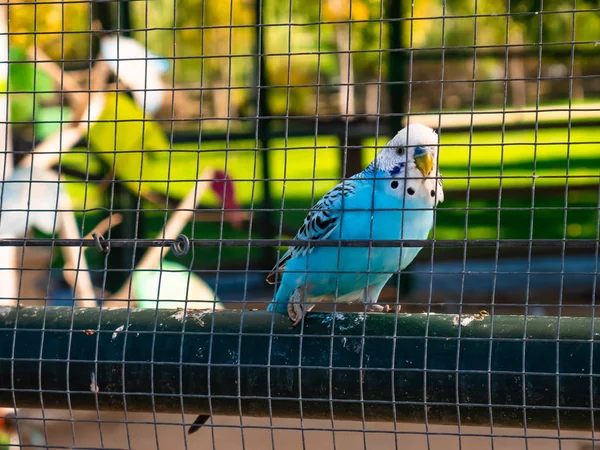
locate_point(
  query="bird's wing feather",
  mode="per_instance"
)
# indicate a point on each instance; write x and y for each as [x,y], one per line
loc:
[319,224]
[279,266]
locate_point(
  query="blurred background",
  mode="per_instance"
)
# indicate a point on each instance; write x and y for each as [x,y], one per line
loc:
[283,99]
[114,110]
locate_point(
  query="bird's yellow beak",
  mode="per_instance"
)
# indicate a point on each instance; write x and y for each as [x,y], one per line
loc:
[424,163]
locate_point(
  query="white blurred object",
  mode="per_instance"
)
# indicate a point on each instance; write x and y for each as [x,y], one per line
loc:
[30,198]
[136,67]
[34,197]
[172,286]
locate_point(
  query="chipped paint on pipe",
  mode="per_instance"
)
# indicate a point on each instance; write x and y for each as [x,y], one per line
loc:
[414,367]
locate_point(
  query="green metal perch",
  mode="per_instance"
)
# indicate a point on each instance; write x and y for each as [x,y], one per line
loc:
[445,369]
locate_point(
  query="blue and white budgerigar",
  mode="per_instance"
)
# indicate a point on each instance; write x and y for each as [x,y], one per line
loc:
[392,199]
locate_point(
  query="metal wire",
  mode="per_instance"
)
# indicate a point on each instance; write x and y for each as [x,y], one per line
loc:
[114,111]
[182,243]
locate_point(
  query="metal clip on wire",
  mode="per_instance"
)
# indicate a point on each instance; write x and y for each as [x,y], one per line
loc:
[102,245]
[181,246]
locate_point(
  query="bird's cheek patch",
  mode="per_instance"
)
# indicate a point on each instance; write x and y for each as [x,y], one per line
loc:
[396,169]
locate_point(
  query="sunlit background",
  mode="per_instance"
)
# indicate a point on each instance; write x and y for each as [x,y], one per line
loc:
[272,102]
[512,87]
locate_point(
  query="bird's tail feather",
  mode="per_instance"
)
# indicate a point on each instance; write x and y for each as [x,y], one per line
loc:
[280,302]
[278,306]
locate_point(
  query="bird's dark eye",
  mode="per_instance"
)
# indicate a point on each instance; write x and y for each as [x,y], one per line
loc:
[400,151]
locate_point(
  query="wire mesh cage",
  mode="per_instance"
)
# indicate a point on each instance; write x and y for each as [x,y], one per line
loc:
[418,183]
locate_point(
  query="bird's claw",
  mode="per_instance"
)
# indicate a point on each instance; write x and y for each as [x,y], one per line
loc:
[295,312]
[295,307]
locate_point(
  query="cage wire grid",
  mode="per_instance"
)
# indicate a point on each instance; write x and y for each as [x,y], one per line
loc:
[161,156]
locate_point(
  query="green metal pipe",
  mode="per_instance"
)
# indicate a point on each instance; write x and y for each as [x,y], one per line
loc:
[409,368]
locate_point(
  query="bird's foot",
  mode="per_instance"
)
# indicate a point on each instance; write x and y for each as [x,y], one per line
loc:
[296,307]
[295,312]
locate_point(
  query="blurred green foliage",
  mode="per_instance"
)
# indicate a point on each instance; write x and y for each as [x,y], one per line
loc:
[27,87]
[560,21]
[310,172]
[206,35]
[208,32]
[212,44]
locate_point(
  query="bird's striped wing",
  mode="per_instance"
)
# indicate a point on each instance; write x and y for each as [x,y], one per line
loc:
[321,221]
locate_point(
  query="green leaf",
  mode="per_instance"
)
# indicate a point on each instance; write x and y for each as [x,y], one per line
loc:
[27,85]
[49,119]
[125,139]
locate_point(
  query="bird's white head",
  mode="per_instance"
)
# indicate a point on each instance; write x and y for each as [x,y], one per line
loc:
[411,158]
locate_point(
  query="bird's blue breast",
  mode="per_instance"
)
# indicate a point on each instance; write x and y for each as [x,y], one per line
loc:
[365,216]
